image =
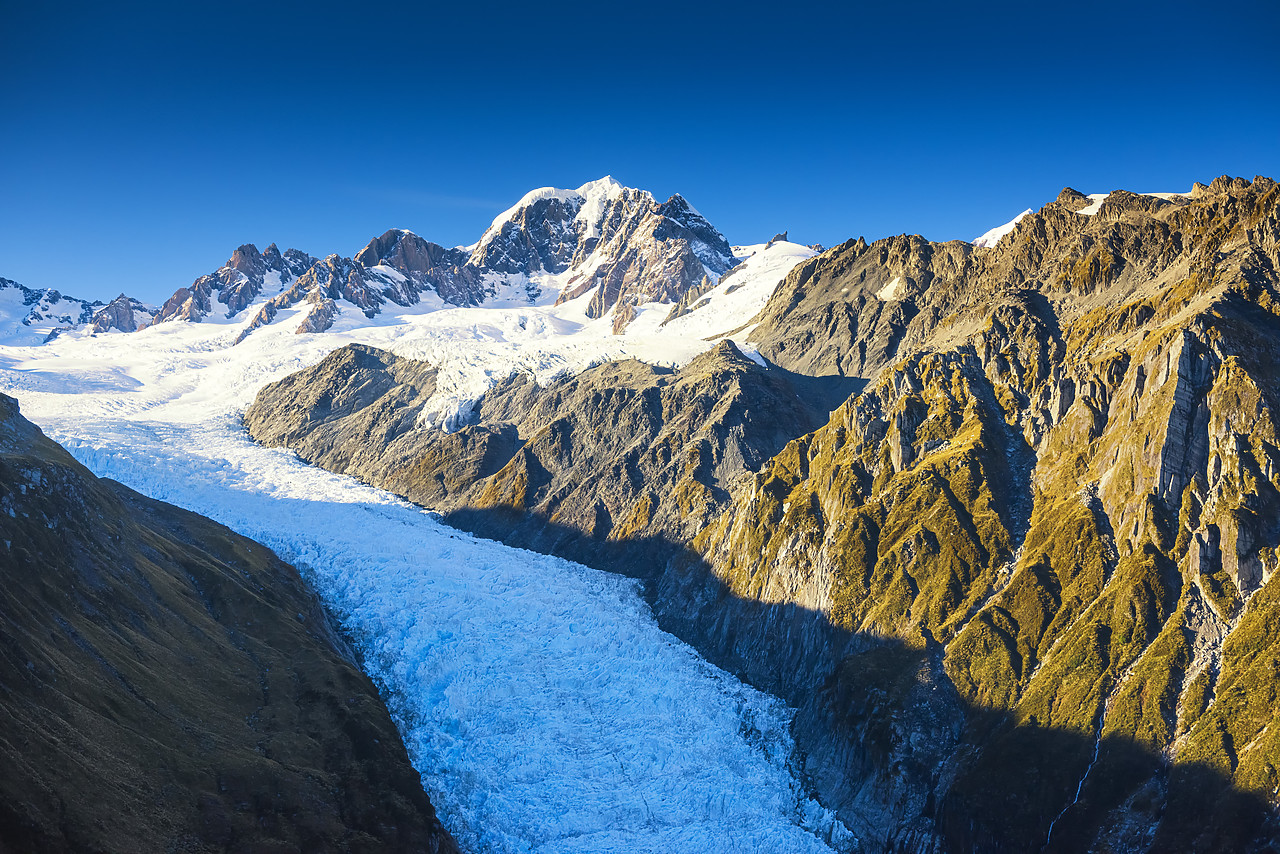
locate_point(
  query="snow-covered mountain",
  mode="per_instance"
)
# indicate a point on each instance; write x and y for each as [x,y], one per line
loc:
[616,245]
[236,284]
[34,315]
[606,249]
[562,280]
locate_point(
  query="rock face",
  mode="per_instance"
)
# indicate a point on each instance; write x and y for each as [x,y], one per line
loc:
[168,685]
[1055,503]
[124,314]
[245,275]
[624,454]
[1020,585]
[631,250]
[618,244]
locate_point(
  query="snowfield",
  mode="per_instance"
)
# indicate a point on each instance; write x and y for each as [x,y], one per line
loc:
[544,708]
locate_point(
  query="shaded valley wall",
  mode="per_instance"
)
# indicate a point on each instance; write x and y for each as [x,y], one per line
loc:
[166,684]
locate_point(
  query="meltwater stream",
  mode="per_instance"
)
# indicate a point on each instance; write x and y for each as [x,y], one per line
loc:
[544,708]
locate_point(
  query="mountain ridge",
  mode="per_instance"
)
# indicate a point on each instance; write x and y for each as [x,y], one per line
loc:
[619,243]
[1052,495]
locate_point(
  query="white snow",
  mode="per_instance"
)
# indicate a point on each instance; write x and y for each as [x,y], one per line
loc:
[992,237]
[596,195]
[592,197]
[542,705]
[526,200]
[1095,204]
[735,299]
[891,291]
[30,324]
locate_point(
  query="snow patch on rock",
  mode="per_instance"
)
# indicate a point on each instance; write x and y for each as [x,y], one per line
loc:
[992,237]
[891,291]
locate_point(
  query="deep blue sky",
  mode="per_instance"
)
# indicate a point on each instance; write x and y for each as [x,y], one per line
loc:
[143,142]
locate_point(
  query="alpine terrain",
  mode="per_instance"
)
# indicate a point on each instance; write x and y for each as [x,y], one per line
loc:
[169,684]
[996,520]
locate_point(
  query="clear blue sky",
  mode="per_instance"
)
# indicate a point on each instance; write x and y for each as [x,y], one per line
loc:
[143,142]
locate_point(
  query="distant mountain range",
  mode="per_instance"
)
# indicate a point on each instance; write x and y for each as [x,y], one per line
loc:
[618,245]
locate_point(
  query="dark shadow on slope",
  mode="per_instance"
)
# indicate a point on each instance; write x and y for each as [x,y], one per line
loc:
[876,715]
[823,393]
[166,684]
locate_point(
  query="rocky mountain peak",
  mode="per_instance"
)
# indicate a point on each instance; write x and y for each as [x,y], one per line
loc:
[1225,183]
[247,259]
[383,246]
[407,252]
[124,313]
[1072,199]
[551,229]
[236,284]
[602,237]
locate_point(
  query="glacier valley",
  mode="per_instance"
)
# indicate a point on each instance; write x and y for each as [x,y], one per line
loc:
[542,705]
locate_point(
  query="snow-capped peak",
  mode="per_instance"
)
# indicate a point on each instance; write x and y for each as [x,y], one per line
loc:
[596,197]
[606,185]
[553,245]
[527,200]
[591,200]
[992,237]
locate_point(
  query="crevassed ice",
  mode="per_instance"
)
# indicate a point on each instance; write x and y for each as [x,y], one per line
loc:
[543,706]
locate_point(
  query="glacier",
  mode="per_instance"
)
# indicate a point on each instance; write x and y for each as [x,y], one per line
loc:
[544,708]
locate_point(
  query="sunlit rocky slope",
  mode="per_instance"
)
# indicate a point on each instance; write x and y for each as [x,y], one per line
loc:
[167,685]
[1001,522]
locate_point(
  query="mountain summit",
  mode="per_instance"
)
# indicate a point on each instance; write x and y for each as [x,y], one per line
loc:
[618,244]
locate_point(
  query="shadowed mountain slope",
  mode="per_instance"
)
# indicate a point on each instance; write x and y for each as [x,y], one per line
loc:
[167,685]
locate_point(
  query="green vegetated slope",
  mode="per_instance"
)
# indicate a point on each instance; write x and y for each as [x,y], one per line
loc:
[167,685]
[1017,586]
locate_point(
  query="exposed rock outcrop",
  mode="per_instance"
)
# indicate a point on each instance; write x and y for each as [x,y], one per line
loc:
[643,252]
[618,244]
[237,283]
[124,314]
[168,685]
[622,453]
[1036,492]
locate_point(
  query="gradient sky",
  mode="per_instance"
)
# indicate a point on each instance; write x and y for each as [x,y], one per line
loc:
[143,142]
